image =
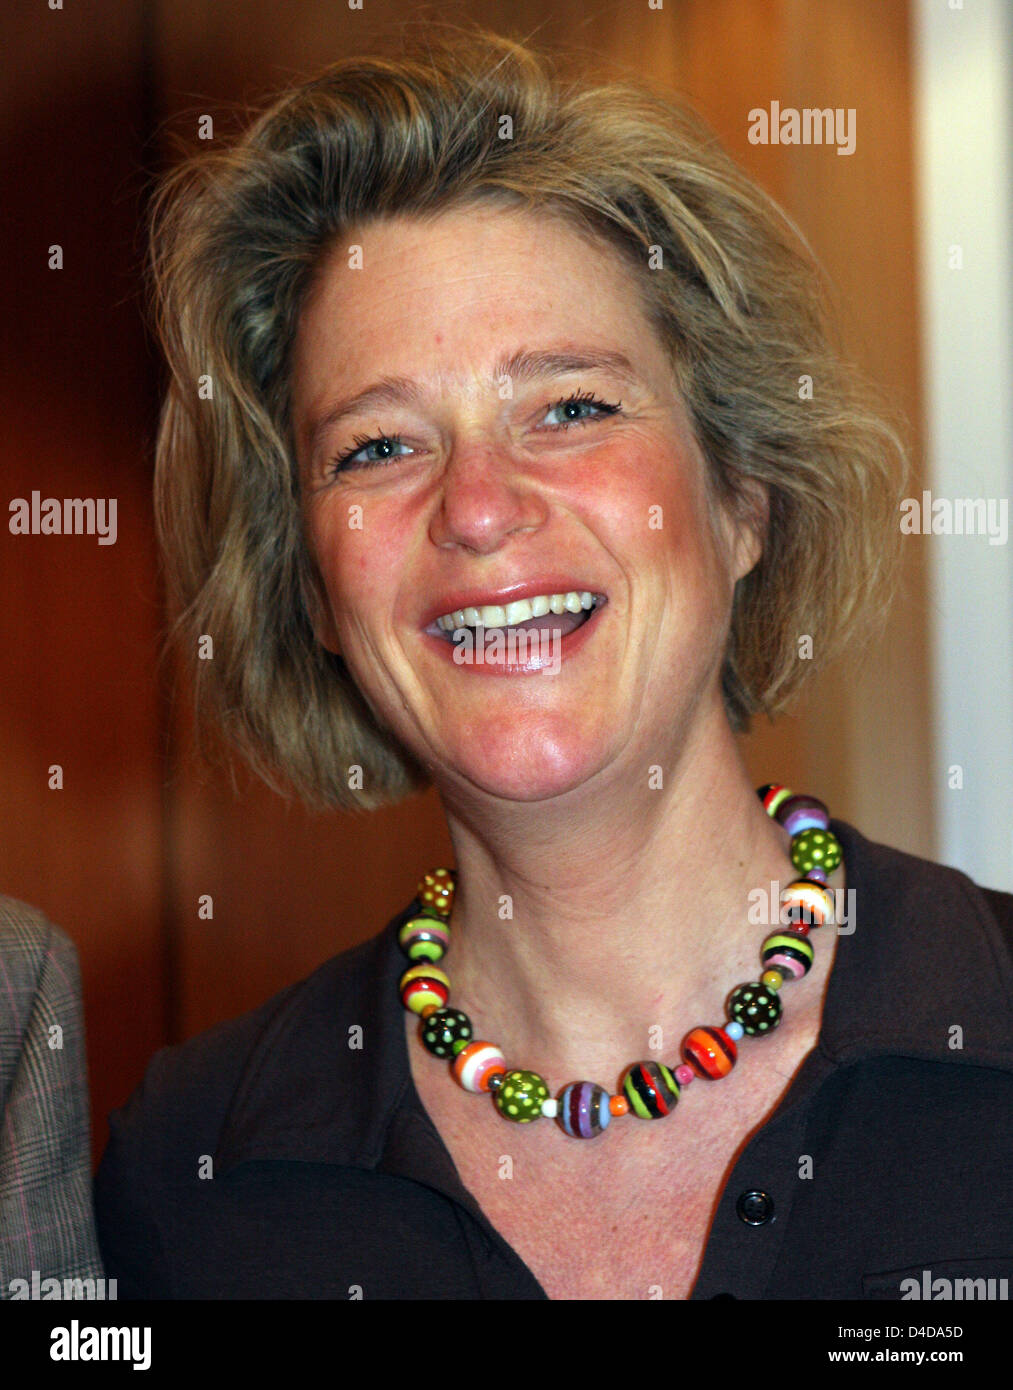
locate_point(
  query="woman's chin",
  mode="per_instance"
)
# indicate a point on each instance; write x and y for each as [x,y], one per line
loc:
[524,768]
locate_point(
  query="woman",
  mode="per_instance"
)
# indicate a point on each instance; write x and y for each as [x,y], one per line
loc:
[508,481]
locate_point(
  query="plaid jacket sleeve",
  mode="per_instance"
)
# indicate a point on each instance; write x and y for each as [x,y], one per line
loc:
[46,1217]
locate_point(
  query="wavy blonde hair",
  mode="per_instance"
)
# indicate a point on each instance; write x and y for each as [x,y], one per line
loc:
[237,236]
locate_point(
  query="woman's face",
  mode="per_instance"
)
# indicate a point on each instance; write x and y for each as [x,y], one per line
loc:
[472,331]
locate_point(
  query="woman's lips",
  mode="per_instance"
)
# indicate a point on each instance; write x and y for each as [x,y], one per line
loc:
[511,651]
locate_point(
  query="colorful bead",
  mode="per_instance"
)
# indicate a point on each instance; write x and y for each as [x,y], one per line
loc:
[584,1109]
[476,1063]
[815,849]
[422,985]
[651,1089]
[446,1032]
[807,903]
[521,1096]
[756,1008]
[772,979]
[817,874]
[436,890]
[710,1052]
[425,937]
[798,813]
[734,1029]
[618,1105]
[790,954]
[772,795]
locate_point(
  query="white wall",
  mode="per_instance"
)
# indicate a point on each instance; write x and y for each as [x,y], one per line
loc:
[963,133]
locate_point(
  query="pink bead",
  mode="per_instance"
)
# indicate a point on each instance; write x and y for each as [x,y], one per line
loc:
[684,1074]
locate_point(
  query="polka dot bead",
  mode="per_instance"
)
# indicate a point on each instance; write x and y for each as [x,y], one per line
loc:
[584,1109]
[815,849]
[422,985]
[651,1090]
[476,1064]
[446,1032]
[790,954]
[758,1009]
[710,1052]
[425,937]
[521,1096]
[436,890]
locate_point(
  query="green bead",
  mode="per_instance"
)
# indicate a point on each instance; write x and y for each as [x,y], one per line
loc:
[756,1007]
[521,1095]
[815,849]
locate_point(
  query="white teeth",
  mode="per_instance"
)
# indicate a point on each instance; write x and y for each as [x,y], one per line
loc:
[493,615]
[518,612]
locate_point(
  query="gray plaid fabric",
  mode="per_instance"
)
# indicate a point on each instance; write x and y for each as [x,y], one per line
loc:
[47,1225]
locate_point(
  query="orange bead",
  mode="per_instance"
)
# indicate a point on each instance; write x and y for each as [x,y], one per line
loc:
[429,1009]
[618,1105]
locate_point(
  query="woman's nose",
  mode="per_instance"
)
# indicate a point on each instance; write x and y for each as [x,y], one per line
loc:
[484,496]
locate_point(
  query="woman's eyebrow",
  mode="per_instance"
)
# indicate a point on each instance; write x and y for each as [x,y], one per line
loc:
[524,365]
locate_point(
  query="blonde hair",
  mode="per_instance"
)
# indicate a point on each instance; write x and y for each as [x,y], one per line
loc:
[237,237]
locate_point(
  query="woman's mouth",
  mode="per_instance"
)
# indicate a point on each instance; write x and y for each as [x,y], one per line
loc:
[524,639]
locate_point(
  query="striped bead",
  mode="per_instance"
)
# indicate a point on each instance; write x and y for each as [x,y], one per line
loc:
[790,954]
[809,903]
[798,813]
[710,1052]
[436,890]
[425,937]
[815,849]
[476,1063]
[422,985]
[772,795]
[651,1090]
[584,1109]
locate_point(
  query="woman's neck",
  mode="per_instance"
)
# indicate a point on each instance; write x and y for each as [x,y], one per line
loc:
[580,930]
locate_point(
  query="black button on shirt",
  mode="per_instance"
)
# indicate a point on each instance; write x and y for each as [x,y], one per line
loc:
[330,1180]
[755,1208]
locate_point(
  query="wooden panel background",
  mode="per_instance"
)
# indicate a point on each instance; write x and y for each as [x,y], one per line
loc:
[120,857]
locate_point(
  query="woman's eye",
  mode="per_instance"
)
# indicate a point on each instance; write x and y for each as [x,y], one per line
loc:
[381,449]
[384,444]
[572,409]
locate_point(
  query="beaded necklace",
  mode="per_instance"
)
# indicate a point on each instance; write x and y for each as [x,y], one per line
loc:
[650,1089]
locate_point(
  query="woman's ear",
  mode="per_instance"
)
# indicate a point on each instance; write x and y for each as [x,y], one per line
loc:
[319,610]
[748,526]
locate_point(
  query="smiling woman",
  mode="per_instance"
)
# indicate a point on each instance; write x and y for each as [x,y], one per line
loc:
[510,380]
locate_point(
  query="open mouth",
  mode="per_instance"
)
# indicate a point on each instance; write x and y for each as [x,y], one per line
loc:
[561,614]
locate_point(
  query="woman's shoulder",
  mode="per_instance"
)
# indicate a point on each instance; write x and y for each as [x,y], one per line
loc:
[203,1073]
[924,936]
